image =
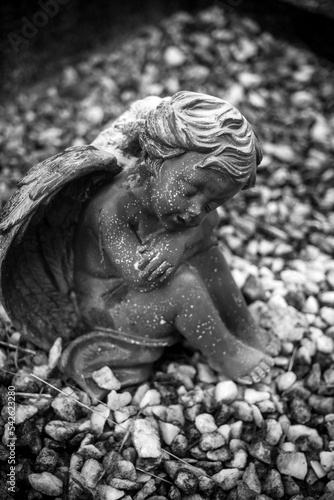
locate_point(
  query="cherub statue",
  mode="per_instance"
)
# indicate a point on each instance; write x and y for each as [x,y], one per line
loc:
[113,247]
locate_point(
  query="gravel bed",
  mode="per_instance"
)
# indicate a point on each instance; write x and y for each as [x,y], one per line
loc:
[188,433]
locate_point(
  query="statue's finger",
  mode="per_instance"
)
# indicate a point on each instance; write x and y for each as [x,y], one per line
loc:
[159,271]
[166,274]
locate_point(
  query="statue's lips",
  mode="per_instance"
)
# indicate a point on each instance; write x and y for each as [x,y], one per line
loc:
[177,220]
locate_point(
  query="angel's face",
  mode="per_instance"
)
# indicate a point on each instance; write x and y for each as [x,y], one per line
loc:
[183,193]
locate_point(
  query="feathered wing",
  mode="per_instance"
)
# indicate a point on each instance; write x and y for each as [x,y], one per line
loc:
[36,248]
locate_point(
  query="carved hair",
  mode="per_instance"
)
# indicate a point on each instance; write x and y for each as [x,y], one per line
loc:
[189,121]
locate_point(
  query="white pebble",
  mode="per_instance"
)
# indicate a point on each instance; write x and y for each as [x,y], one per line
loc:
[99,418]
[24,412]
[168,432]
[327,460]
[227,478]
[318,469]
[327,314]
[225,431]
[285,381]
[146,439]
[327,298]
[311,305]
[105,379]
[151,397]
[288,447]
[274,431]
[46,483]
[226,391]
[205,423]
[292,464]
[117,401]
[252,396]
[325,344]
[174,57]
[107,492]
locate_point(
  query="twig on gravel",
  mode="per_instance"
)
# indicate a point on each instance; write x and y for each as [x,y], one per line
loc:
[153,475]
[13,346]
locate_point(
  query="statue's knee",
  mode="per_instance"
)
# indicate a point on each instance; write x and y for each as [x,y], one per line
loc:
[187,276]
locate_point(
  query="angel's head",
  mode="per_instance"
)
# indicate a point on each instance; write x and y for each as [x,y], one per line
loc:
[191,141]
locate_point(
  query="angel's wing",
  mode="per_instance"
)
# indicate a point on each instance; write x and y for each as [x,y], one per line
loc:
[36,248]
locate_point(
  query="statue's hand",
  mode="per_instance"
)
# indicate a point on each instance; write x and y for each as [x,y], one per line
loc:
[159,257]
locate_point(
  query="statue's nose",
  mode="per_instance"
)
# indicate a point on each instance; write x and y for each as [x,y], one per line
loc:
[194,209]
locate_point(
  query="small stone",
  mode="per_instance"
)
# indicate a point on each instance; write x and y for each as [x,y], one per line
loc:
[300,411]
[98,418]
[179,445]
[267,406]
[227,478]
[3,358]
[174,415]
[273,485]
[261,450]
[274,432]
[252,396]
[239,460]
[288,447]
[107,492]
[146,490]
[292,464]
[327,460]
[211,441]
[46,483]
[105,379]
[92,471]
[186,481]
[24,412]
[94,115]
[146,439]
[46,460]
[59,430]
[123,469]
[205,423]
[317,467]
[251,478]
[206,485]
[168,432]
[221,454]
[226,391]
[285,380]
[206,374]
[327,314]
[298,431]
[313,380]
[311,305]
[125,413]
[325,344]
[236,429]
[117,401]
[321,404]
[242,411]
[151,397]
[65,405]
[327,299]
[174,57]
[290,486]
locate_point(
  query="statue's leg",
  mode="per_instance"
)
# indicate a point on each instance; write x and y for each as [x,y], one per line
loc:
[184,303]
[230,302]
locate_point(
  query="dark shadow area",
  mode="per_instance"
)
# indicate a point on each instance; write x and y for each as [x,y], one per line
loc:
[39,37]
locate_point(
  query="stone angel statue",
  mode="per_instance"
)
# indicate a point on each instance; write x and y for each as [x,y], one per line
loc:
[112,246]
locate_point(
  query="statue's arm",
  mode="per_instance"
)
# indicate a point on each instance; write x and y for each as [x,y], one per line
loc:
[113,224]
